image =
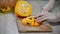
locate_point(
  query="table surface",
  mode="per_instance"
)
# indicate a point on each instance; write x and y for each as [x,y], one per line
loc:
[8,25]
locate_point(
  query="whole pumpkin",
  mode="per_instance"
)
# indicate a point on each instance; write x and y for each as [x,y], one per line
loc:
[5,3]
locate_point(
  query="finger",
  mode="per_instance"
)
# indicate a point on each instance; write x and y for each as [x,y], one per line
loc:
[37,16]
[41,20]
[37,20]
[44,19]
[41,17]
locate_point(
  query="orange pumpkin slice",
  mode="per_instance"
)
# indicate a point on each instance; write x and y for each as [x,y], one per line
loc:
[23,8]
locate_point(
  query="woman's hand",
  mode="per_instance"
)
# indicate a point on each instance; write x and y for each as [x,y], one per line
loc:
[46,16]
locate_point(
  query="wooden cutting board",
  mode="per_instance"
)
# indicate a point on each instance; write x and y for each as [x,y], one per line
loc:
[45,27]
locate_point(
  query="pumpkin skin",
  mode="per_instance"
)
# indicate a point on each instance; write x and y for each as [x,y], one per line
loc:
[30,21]
[23,9]
[7,3]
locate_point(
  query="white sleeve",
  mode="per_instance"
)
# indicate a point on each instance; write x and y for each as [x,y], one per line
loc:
[57,15]
[49,5]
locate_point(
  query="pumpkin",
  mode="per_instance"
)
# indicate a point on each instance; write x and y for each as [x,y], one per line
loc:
[5,3]
[23,9]
[30,21]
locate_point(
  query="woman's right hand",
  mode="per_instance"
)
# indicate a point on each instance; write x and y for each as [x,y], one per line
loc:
[46,16]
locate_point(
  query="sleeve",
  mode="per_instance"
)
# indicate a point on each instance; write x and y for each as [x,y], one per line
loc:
[57,15]
[48,6]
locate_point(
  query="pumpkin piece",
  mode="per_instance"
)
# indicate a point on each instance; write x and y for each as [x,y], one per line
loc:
[36,24]
[30,21]
[23,8]
[26,21]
